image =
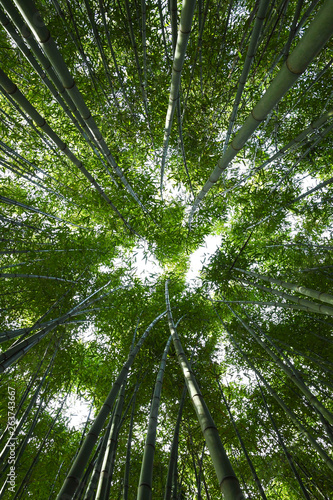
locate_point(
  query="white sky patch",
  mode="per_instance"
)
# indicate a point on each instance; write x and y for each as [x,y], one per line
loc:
[76,409]
[141,260]
[146,265]
[200,257]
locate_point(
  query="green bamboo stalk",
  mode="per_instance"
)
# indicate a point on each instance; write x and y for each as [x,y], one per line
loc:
[314,294]
[17,350]
[138,67]
[108,37]
[227,479]
[101,51]
[266,304]
[162,21]
[144,41]
[27,411]
[105,476]
[16,275]
[178,61]
[9,201]
[311,306]
[79,495]
[76,472]
[92,485]
[174,448]
[146,474]
[128,449]
[314,39]
[40,449]
[14,92]
[174,24]
[51,81]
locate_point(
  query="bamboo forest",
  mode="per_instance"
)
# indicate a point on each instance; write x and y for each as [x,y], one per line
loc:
[166,261]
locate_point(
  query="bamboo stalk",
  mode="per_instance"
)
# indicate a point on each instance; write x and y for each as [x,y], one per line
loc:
[146,474]
[227,479]
[178,61]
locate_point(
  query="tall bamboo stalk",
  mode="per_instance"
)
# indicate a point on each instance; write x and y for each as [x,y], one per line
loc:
[227,479]
[146,474]
[178,61]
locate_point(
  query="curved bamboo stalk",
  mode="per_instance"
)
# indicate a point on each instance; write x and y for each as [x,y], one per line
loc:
[314,39]
[227,479]
[146,474]
[82,458]
[178,61]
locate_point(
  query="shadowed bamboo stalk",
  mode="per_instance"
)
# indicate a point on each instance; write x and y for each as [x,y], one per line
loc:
[76,472]
[146,474]
[128,448]
[314,39]
[174,448]
[93,482]
[105,476]
[227,479]
[41,448]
